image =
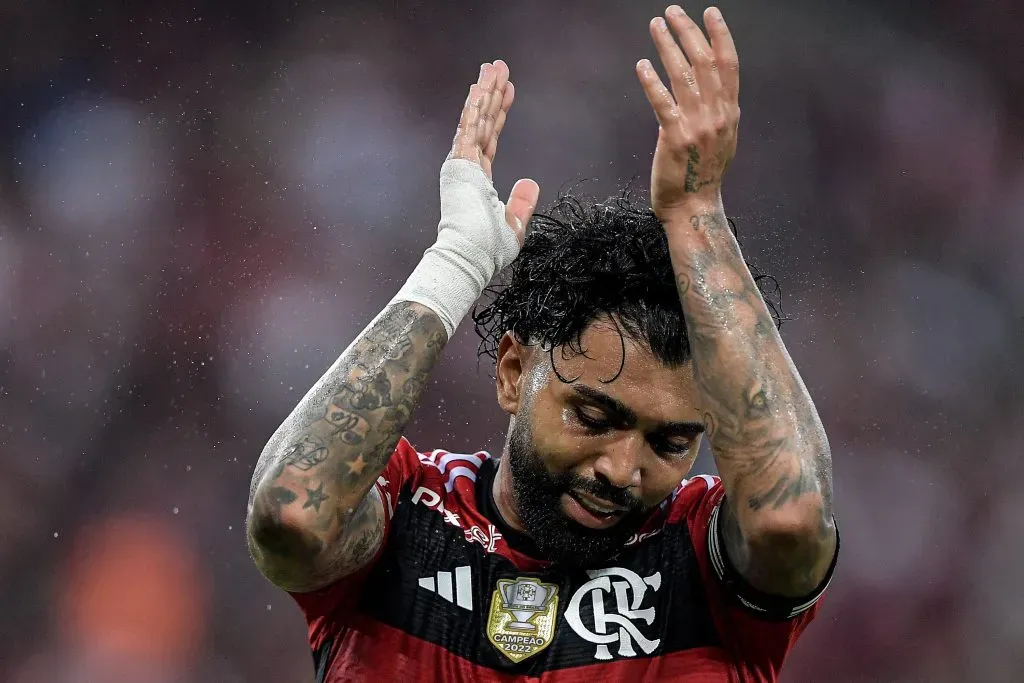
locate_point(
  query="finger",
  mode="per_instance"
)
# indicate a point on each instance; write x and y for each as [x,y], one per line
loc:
[492,145]
[725,53]
[486,118]
[662,102]
[522,202]
[499,123]
[496,97]
[697,49]
[510,95]
[464,144]
[680,75]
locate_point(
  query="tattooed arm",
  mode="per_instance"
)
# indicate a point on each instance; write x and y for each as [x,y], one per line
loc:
[314,513]
[764,432]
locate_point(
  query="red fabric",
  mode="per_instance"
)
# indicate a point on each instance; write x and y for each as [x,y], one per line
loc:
[371,651]
[365,650]
[759,646]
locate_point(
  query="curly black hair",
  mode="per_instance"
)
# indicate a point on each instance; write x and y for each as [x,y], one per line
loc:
[583,260]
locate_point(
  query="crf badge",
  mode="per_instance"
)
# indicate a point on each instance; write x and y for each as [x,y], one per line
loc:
[522,618]
[603,627]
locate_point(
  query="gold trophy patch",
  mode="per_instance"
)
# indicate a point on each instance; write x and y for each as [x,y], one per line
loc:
[522,618]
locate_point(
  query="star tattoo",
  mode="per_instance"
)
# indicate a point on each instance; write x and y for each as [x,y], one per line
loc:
[356,466]
[314,497]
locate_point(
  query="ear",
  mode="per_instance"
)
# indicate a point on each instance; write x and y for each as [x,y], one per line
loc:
[509,373]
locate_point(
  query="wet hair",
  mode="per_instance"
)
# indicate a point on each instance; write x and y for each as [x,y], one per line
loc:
[585,260]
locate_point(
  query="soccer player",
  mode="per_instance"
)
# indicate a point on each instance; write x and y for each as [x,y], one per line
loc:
[582,553]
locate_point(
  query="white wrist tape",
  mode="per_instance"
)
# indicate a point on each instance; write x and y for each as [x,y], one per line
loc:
[473,244]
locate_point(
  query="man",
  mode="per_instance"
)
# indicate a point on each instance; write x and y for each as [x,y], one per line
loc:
[577,555]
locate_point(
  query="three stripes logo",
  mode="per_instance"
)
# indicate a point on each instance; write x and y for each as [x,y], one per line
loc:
[457,589]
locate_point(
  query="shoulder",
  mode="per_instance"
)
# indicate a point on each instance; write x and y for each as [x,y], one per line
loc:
[452,466]
[438,465]
[432,478]
[697,484]
[407,462]
[694,499]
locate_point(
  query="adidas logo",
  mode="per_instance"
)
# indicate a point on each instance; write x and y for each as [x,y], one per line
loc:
[459,592]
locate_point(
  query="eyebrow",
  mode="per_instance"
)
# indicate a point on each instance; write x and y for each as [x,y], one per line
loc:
[628,416]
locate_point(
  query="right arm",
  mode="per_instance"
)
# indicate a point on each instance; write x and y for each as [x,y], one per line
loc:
[314,514]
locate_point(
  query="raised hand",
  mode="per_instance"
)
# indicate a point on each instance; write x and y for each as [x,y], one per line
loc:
[476,139]
[698,120]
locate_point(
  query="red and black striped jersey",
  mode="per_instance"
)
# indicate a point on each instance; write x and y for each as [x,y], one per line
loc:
[455,595]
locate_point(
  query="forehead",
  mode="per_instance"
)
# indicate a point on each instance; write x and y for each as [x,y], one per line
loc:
[644,383]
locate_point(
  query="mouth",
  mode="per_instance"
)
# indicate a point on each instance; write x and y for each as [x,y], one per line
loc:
[592,512]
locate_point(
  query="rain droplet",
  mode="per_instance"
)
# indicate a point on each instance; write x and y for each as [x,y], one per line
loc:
[56,534]
[268,608]
[175,509]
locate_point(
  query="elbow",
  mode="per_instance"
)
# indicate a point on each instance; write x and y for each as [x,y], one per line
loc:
[279,530]
[792,534]
[793,519]
[801,519]
[792,551]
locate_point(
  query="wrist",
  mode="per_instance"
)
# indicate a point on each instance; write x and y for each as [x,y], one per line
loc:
[697,221]
[473,245]
[691,211]
[700,227]
[445,282]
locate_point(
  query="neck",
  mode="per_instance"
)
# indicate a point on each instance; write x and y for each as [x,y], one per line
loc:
[504,500]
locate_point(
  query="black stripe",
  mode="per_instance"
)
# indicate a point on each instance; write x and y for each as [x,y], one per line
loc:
[322,660]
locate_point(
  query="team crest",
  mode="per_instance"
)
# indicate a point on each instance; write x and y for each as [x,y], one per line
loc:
[522,618]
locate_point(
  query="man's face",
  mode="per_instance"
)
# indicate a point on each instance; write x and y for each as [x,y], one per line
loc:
[591,458]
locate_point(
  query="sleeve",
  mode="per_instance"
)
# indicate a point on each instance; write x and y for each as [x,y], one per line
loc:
[329,604]
[759,627]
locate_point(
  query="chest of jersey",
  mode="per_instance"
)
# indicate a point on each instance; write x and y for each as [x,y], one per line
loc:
[443,578]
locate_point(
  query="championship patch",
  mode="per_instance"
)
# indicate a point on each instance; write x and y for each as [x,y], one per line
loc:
[522,618]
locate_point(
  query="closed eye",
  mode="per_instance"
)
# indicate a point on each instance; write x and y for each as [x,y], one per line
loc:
[673,447]
[591,422]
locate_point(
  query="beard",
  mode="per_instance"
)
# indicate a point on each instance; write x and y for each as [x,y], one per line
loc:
[538,498]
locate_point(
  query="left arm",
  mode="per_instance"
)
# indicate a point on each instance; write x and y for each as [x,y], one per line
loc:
[765,434]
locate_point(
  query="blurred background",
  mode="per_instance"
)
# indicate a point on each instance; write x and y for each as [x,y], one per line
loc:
[201,204]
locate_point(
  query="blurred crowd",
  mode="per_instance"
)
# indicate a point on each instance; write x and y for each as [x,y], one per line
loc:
[201,204]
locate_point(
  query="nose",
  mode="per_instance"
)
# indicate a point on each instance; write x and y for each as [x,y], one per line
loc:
[619,464]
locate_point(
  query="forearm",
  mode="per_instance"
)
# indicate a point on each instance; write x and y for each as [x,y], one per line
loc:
[314,515]
[764,431]
[325,457]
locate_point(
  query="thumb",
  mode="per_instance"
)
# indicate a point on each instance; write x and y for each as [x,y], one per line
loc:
[520,206]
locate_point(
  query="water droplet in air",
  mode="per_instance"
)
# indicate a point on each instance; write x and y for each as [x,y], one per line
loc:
[175,509]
